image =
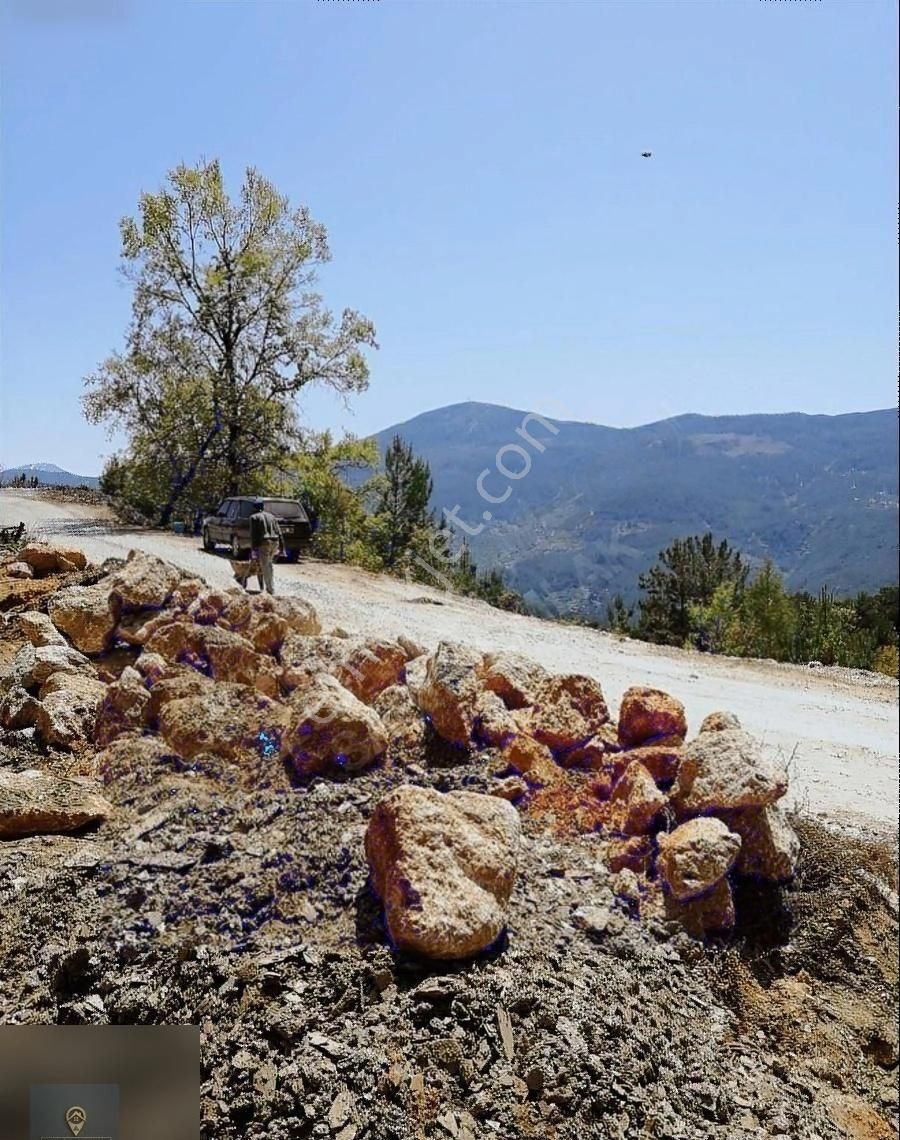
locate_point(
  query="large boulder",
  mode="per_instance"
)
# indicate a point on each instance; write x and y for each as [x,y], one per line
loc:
[35,803]
[695,856]
[661,760]
[217,652]
[444,867]
[719,722]
[449,693]
[18,708]
[67,713]
[648,715]
[726,770]
[124,708]
[303,657]
[299,614]
[371,667]
[568,711]
[329,727]
[532,760]
[770,847]
[174,686]
[39,629]
[400,716]
[138,627]
[86,615]
[50,659]
[145,582]
[233,721]
[18,570]
[494,725]
[635,802]
[705,915]
[516,679]
[50,558]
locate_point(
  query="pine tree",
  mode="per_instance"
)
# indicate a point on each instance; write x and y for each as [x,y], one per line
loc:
[402,505]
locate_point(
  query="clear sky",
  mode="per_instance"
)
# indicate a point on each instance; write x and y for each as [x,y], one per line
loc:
[478,167]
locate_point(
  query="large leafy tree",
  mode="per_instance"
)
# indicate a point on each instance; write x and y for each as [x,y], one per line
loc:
[402,505]
[226,331]
[686,576]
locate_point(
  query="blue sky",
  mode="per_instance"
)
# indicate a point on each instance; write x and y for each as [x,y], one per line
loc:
[478,168]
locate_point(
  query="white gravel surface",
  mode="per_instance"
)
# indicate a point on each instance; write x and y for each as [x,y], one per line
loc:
[837,728]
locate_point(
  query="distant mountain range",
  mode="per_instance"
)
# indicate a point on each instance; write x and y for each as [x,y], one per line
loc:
[48,474]
[594,505]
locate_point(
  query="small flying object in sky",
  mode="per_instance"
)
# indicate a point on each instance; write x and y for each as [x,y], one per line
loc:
[646,154]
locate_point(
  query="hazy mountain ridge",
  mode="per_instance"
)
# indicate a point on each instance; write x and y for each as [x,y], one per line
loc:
[818,494]
[48,474]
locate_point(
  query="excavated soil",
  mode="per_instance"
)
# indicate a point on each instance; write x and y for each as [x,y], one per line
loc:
[235,898]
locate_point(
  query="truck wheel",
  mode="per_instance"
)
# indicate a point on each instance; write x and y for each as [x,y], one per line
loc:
[237,552]
[291,555]
[208,544]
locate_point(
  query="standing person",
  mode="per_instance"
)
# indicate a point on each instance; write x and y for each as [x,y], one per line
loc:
[267,540]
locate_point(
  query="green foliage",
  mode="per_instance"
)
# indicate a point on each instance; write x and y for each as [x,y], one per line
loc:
[765,619]
[619,616]
[403,492]
[687,575]
[226,330]
[887,661]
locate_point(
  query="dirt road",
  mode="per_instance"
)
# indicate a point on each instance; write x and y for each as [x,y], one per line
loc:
[837,729]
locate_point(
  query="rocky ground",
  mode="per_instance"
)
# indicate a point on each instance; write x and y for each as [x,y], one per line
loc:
[231,889]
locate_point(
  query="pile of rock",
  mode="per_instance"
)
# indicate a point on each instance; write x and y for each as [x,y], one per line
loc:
[40,559]
[251,679]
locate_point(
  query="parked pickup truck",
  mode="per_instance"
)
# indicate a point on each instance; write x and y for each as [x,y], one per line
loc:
[230,525]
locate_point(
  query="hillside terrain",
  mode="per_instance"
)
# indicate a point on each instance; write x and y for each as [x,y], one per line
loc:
[817,494]
[48,474]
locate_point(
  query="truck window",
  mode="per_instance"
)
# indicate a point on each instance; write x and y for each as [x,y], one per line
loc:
[285,510]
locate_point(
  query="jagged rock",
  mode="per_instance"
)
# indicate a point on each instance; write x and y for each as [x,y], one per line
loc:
[648,715]
[124,708]
[568,712]
[152,666]
[304,657]
[187,591]
[175,686]
[444,867]
[132,756]
[371,667]
[138,627]
[19,570]
[45,557]
[36,803]
[49,659]
[493,723]
[597,753]
[416,672]
[400,716]
[514,678]
[533,760]
[266,632]
[232,609]
[661,760]
[86,615]
[449,694]
[67,713]
[706,915]
[297,612]
[695,856]
[411,648]
[770,847]
[18,675]
[634,854]
[18,708]
[328,726]
[233,721]
[726,770]
[635,802]
[39,629]
[512,788]
[719,722]
[145,582]
[217,652]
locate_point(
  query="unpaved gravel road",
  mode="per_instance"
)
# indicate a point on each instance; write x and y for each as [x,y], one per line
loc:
[838,729]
